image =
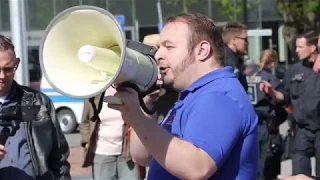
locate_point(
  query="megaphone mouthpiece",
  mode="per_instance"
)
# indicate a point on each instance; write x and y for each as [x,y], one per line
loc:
[86,53]
[96,58]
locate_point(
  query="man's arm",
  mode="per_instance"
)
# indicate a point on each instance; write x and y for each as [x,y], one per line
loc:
[210,134]
[58,160]
[138,151]
[281,93]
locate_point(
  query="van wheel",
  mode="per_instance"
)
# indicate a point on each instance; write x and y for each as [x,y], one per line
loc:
[67,121]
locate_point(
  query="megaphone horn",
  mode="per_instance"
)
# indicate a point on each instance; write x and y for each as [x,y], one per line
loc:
[84,52]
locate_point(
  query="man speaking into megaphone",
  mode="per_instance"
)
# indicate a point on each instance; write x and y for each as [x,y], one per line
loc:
[211,131]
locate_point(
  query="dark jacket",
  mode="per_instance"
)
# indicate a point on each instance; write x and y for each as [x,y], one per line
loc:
[262,103]
[302,91]
[48,147]
[166,102]
[236,62]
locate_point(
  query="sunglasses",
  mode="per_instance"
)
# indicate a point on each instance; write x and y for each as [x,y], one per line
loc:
[245,39]
[8,70]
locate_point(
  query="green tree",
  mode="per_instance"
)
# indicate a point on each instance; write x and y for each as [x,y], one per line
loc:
[230,8]
[185,3]
[38,13]
[227,7]
[298,16]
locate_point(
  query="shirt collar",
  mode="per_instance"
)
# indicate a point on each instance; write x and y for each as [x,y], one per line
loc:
[225,72]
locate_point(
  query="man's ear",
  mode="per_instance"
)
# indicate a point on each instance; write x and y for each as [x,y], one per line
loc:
[18,61]
[313,48]
[233,38]
[232,41]
[203,50]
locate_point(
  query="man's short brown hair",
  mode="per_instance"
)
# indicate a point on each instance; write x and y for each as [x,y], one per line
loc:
[6,44]
[311,37]
[231,29]
[202,28]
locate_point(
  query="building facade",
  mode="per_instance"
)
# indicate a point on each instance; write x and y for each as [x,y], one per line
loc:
[141,16]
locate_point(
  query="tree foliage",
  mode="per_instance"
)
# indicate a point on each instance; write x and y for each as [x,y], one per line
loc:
[185,4]
[228,8]
[234,7]
[298,16]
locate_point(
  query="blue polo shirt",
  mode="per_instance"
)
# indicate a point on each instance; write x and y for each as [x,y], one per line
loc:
[215,114]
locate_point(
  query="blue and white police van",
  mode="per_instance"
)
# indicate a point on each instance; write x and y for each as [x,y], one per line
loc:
[68,110]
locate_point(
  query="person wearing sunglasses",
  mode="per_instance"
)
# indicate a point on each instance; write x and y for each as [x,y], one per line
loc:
[302,91]
[235,38]
[34,146]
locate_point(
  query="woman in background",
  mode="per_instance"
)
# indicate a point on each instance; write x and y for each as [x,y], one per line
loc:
[105,138]
[270,116]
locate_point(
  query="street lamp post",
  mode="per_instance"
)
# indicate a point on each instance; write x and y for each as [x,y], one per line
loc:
[245,12]
[18,36]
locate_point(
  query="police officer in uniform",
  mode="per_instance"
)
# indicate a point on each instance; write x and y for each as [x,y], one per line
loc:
[270,116]
[302,91]
[235,38]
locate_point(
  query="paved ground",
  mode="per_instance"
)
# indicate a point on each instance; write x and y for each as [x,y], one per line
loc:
[79,173]
[75,159]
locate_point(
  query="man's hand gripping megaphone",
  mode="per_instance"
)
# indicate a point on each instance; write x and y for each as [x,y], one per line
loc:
[130,103]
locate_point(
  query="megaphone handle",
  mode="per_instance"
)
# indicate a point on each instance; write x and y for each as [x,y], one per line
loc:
[145,108]
[142,104]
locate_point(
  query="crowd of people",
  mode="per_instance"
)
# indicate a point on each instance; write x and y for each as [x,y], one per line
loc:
[269,97]
[217,118]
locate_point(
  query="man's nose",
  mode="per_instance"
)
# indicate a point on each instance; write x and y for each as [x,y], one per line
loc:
[2,74]
[158,55]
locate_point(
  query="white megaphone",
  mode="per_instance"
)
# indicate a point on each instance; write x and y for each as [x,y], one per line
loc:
[84,52]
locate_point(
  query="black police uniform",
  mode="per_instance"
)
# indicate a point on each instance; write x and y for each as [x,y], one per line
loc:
[302,91]
[236,62]
[270,117]
[166,101]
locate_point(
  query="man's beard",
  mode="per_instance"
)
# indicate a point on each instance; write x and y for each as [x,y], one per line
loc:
[180,70]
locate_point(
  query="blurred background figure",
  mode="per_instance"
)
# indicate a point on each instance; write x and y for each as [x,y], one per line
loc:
[270,117]
[301,91]
[105,138]
[236,40]
[250,66]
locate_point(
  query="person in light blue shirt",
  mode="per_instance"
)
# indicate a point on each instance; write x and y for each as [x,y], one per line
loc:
[211,131]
